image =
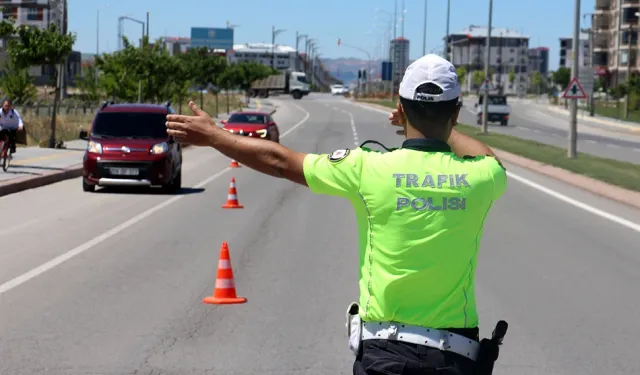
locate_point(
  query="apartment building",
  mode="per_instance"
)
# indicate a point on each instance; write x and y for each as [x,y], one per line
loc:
[509,53]
[41,13]
[539,60]
[615,29]
[399,50]
[567,53]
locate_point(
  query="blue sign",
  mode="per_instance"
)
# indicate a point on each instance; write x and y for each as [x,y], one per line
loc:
[387,70]
[213,38]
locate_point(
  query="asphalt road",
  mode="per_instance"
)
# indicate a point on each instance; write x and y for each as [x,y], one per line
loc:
[112,282]
[530,121]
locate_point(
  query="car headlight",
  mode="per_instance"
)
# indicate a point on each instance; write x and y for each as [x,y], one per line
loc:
[94,148]
[262,133]
[160,148]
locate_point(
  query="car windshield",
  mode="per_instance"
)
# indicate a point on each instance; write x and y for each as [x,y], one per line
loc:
[302,79]
[246,118]
[497,100]
[130,125]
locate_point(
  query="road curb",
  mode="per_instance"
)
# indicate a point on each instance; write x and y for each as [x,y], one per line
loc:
[17,185]
[597,187]
[613,192]
[25,183]
[610,123]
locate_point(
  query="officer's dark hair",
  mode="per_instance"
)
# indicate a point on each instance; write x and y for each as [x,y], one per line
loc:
[429,117]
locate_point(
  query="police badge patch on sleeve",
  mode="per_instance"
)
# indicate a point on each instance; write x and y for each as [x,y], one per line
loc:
[338,155]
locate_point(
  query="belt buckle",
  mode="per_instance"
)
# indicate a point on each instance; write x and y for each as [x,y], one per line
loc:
[393,332]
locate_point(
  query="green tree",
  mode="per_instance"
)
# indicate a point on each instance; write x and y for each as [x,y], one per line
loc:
[204,68]
[462,74]
[512,77]
[17,84]
[249,72]
[29,46]
[89,84]
[478,77]
[562,77]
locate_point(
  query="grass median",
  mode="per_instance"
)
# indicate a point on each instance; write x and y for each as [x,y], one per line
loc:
[68,126]
[623,174]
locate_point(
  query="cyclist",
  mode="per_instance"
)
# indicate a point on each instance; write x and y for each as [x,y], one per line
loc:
[421,211]
[10,123]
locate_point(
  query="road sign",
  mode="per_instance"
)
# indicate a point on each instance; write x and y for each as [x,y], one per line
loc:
[213,38]
[586,78]
[387,70]
[574,90]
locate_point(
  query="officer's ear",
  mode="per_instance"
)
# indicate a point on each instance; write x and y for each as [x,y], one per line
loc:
[456,113]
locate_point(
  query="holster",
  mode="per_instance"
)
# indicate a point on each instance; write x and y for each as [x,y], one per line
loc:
[490,350]
[354,328]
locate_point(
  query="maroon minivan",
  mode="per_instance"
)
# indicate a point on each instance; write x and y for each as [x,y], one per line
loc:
[129,146]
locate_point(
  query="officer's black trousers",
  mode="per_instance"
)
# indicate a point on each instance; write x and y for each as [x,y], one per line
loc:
[386,357]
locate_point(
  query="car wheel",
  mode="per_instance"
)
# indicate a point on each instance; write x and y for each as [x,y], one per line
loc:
[88,187]
[176,184]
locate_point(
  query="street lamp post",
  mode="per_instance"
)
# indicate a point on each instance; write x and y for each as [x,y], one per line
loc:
[368,56]
[446,43]
[424,30]
[274,33]
[573,123]
[487,63]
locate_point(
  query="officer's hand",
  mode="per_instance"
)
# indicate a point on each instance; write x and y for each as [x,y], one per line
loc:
[397,116]
[195,130]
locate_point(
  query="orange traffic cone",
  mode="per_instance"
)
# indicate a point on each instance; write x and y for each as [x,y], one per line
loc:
[234,164]
[232,197]
[225,290]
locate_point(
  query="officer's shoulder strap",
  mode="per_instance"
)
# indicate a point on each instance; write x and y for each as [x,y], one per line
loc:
[377,143]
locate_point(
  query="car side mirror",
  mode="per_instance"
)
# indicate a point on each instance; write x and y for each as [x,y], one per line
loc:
[83,135]
[223,122]
[271,123]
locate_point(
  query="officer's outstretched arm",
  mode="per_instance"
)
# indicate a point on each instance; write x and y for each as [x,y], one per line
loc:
[264,156]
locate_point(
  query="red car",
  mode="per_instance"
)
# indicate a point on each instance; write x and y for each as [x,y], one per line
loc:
[129,146]
[253,124]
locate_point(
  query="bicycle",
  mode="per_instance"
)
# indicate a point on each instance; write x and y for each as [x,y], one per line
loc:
[5,154]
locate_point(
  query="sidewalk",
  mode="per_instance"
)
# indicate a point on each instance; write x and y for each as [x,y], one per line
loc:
[33,167]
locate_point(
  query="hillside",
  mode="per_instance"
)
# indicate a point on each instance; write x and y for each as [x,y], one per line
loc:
[346,69]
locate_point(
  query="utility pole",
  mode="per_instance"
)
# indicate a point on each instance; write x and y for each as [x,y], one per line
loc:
[424,30]
[573,124]
[446,42]
[273,43]
[487,64]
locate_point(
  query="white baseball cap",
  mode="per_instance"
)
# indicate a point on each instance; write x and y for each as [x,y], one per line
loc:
[430,69]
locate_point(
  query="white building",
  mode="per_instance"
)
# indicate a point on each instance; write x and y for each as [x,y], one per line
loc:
[509,53]
[567,52]
[284,57]
[40,13]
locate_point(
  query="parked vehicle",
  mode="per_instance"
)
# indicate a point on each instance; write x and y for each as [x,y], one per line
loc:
[129,146]
[497,111]
[290,83]
[253,124]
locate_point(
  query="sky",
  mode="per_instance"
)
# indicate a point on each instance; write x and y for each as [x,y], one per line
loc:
[356,22]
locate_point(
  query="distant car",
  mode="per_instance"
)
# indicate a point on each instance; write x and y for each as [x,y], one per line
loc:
[497,108]
[129,146]
[253,124]
[338,90]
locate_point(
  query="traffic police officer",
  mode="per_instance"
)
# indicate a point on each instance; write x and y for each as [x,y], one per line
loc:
[420,211]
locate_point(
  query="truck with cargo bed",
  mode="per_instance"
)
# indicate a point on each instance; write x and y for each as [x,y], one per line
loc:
[289,83]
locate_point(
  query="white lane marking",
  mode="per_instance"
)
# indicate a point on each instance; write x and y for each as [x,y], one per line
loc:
[612,145]
[636,149]
[591,141]
[35,272]
[603,214]
[536,131]
[353,129]
[525,129]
